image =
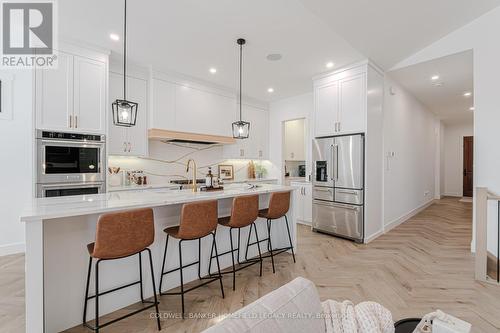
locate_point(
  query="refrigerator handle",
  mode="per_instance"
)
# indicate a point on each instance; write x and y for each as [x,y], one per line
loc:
[332,151]
[335,162]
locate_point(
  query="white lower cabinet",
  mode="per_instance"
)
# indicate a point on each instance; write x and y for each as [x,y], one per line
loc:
[130,141]
[303,202]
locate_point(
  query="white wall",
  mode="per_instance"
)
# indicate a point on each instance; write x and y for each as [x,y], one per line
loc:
[16,167]
[410,132]
[481,36]
[167,161]
[453,157]
[296,107]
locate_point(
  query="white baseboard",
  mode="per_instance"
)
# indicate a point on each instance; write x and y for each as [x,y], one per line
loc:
[372,237]
[7,249]
[393,224]
[452,194]
[398,221]
[304,223]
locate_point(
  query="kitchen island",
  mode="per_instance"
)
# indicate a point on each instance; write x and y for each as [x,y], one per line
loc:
[59,229]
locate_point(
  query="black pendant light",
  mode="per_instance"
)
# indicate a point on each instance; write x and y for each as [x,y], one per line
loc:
[241,129]
[124,111]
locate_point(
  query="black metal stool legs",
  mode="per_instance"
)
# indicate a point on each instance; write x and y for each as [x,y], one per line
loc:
[269,243]
[289,238]
[218,265]
[154,290]
[87,291]
[181,267]
[98,326]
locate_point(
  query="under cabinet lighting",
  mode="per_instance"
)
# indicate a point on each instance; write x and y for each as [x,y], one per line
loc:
[435,77]
[213,70]
[270,90]
[114,37]
[467,94]
[330,64]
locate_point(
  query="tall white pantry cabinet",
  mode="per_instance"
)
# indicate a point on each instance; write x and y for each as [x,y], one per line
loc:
[349,101]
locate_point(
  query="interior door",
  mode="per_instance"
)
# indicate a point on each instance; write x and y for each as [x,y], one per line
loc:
[468,166]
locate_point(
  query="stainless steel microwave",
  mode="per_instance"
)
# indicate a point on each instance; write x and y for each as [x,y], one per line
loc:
[70,157]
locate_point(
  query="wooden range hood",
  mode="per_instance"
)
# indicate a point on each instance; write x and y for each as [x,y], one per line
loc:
[175,136]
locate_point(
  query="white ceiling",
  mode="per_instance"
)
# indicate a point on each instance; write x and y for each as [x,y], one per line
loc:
[190,36]
[446,101]
[389,31]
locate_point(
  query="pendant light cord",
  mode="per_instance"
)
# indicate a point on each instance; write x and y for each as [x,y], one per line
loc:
[241,65]
[125,52]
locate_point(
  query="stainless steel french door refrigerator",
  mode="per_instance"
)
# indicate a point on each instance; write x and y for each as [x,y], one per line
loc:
[338,186]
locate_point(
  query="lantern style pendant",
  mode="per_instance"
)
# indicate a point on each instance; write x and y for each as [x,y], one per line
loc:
[241,129]
[124,111]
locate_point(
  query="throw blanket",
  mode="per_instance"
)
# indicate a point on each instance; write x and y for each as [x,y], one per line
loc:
[365,317]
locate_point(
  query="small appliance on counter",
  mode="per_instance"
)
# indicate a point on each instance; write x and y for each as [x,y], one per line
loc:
[70,163]
[302,170]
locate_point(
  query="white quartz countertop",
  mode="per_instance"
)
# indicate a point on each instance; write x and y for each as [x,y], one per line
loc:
[57,207]
[141,187]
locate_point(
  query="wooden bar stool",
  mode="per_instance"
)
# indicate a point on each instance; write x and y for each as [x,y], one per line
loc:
[244,212]
[279,204]
[198,220]
[121,235]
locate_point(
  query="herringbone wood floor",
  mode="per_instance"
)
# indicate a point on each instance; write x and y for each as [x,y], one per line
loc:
[422,265]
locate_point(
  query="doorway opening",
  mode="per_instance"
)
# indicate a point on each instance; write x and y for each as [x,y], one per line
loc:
[294,150]
[468,158]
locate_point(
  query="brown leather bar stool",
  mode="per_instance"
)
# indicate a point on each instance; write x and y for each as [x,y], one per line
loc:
[279,204]
[121,235]
[198,220]
[244,212]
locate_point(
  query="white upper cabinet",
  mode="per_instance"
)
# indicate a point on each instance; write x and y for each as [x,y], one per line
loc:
[295,149]
[131,141]
[72,97]
[326,104]
[183,108]
[163,109]
[340,103]
[89,95]
[256,146]
[352,104]
[54,95]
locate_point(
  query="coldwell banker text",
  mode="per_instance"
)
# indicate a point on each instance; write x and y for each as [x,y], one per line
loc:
[28,34]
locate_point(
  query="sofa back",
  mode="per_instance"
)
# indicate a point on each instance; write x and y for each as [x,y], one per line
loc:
[294,307]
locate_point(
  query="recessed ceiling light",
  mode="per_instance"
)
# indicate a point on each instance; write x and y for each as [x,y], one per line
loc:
[329,64]
[435,77]
[471,108]
[467,94]
[270,90]
[114,37]
[274,57]
[213,70]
